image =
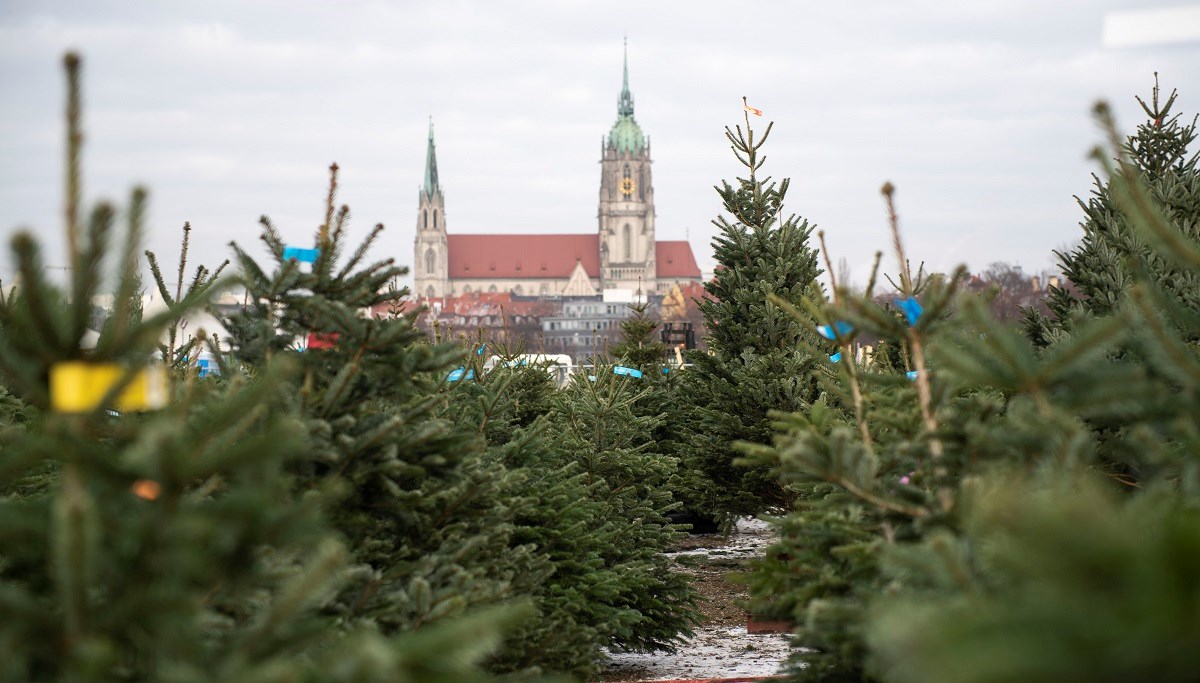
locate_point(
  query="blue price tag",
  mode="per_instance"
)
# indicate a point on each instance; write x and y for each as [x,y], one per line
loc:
[301,255]
[840,328]
[912,309]
[460,373]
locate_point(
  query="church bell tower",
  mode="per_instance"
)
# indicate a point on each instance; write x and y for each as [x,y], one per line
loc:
[626,215]
[430,251]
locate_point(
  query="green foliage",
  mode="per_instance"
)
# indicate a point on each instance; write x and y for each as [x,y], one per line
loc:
[428,516]
[1054,578]
[593,488]
[97,582]
[1114,252]
[173,544]
[966,525]
[649,606]
[638,347]
[762,357]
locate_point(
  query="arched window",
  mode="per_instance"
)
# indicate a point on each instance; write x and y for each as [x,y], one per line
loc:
[626,233]
[642,182]
[518,290]
[493,289]
[430,261]
[429,292]
[425,219]
[435,219]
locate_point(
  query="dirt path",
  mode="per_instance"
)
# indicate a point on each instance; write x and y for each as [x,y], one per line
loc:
[721,646]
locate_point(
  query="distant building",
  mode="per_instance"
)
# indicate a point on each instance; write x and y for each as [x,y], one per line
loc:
[622,254]
[586,326]
[499,317]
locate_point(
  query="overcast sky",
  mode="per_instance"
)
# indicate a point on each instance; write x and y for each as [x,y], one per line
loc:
[229,109]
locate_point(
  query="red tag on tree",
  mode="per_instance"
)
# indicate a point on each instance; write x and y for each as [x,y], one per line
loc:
[322,340]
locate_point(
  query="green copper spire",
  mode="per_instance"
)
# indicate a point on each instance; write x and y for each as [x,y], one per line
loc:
[625,103]
[626,135]
[431,174]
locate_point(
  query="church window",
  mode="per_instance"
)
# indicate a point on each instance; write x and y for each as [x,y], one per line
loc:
[430,261]
[429,292]
[425,219]
[627,239]
[641,183]
[435,219]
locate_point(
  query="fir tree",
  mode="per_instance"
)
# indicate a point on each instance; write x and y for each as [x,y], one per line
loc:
[427,515]
[606,585]
[158,548]
[160,541]
[1102,267]
[761,356]
[922,548]
[638,348]
[651,608]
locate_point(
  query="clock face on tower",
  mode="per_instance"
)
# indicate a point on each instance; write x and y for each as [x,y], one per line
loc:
[628,185]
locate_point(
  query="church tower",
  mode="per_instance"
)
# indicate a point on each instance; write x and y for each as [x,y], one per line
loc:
[430,251]
[626,216]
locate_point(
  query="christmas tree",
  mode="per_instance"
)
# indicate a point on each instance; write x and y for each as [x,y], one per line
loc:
[638,348]
[148,530]
[595,512]
[428,516]
[761,356]
[1071,571]
[934,539]
[1103,266]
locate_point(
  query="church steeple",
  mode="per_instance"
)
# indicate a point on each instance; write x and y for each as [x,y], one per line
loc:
[626,135]
[626,212]
[431,173]
[625,103]
[431,249]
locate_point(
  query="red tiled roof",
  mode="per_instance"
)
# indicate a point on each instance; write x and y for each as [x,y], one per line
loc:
[675,260]
[522,256]
[514,257]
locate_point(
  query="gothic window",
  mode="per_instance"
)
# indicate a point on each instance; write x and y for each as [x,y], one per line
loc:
[626,232]
[430,261]
[425,219]
[435,219]
[429,292]
[641,182]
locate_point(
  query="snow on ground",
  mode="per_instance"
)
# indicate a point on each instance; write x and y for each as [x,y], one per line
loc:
[750,538]
[714,652]
[717,650]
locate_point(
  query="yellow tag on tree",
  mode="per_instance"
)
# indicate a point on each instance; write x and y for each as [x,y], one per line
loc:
[79,387]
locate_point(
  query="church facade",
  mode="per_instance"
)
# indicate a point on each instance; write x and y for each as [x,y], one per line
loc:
[621,254]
